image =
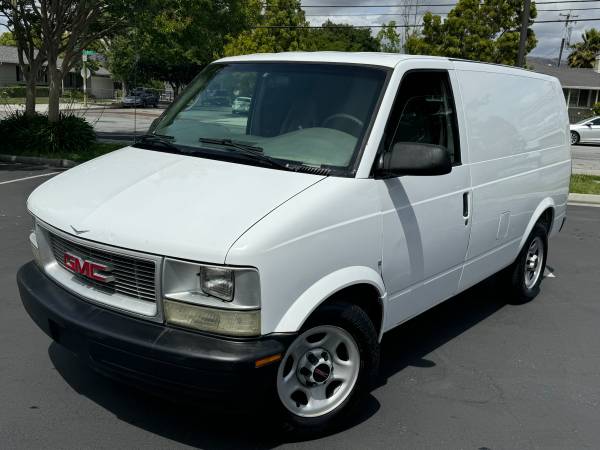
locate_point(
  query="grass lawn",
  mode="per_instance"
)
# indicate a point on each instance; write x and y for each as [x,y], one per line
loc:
[98,149]
[585,184]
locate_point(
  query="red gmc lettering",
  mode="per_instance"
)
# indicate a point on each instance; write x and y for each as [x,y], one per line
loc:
[89,269]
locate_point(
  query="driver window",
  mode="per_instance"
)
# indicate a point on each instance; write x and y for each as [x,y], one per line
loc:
[424,112]
[595,122]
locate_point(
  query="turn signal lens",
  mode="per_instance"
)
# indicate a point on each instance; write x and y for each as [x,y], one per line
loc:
[218,321]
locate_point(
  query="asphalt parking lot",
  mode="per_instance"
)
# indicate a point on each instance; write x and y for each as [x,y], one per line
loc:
[473,373]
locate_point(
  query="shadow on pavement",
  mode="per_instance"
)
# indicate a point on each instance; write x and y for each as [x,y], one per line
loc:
[211,426]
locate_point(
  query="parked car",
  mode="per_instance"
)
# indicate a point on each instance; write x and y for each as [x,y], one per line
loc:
[586,131]
[263,260]
[241,105]
[141,97]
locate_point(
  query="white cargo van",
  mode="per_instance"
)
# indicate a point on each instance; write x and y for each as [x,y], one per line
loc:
[267,253]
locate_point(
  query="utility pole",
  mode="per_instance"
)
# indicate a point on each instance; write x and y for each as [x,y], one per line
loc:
[568,19]
[523,37]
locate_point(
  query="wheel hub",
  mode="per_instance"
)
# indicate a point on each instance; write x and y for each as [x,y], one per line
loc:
[315,367]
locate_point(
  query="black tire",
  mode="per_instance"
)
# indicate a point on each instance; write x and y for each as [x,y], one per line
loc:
[519,289]
[575,138]
[355,321]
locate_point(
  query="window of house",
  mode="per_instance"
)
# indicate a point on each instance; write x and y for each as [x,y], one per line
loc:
[584,96]
[574,99]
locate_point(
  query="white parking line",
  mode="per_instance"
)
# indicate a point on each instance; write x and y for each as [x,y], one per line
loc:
[29,178]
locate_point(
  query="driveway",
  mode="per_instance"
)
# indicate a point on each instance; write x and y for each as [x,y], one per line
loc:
[473,373]
[586,159]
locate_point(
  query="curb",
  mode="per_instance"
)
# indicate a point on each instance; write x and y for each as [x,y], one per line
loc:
[66,163]
[588,199]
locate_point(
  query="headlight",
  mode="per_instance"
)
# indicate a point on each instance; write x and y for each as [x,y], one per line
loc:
[224,300]
[35,248]
[217,281]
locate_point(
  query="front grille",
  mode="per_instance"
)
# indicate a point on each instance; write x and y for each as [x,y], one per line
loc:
[134,277]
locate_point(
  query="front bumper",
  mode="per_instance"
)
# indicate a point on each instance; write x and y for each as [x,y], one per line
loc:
[160,358]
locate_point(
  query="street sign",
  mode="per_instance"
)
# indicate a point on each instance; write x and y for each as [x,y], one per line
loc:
[85,73]
[89,52]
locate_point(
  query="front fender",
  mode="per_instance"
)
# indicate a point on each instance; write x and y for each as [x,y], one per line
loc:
[320,291]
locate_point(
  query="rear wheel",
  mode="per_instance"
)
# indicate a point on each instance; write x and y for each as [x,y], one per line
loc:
[527,271]
[575,137]
[328,368]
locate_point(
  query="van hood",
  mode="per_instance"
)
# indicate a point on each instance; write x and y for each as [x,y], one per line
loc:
[172,205]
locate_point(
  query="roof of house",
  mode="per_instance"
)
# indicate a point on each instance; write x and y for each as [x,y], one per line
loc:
[9,55]
[568,76]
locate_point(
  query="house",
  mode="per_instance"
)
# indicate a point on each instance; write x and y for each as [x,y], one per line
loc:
[580,86]
[100,84]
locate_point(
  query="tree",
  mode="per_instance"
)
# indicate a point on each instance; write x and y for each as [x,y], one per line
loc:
[7,38]
[25,29]
[277,27]
[389,39]
[584,53]
[172,40]
[487,31]
[67,27]
[341,38]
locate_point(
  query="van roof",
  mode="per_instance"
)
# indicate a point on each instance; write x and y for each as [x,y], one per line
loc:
[370,58]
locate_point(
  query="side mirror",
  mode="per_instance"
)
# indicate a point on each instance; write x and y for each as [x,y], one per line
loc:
[413,158]
[589,125]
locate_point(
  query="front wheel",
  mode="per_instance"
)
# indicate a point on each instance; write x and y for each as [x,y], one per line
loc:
[575,137]
[328,368]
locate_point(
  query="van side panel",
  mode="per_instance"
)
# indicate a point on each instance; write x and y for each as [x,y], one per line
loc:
[520,158]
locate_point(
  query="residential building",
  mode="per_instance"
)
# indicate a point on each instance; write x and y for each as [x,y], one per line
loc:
[99,85]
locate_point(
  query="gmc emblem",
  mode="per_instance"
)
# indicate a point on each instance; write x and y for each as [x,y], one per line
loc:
[90,269]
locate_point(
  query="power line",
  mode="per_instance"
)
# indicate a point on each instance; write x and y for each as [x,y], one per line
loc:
[399,26]
[432,12]
[430,5]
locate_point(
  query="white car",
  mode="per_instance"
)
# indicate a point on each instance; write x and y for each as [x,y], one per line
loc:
[241,105]
[265,258]
[586,131]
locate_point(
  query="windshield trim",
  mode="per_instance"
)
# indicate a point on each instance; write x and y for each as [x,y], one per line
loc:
[352,168]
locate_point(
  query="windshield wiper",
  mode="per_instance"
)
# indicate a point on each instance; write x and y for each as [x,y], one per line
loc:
[158,140]
[247,149]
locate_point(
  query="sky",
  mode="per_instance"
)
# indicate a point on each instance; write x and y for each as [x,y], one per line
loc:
[549,35]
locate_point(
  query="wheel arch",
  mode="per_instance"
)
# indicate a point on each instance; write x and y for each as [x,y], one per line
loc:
[543,213]
[357,285]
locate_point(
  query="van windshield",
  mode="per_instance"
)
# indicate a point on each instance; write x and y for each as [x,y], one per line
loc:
[294,114]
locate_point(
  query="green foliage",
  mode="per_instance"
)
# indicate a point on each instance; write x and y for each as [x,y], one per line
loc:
[389,39]
[7,39]
[341,38]
[487,31]
[19,91]
[276,13]
[584,53]
[22,132]
[596,109]
[171,40]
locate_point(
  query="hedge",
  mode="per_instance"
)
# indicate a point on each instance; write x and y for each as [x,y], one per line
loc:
[19,91]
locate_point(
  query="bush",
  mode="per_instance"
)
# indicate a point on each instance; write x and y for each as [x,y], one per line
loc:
[596,109]
[21,133]
[19,91]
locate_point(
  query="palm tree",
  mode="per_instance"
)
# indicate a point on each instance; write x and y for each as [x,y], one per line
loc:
[584,53]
